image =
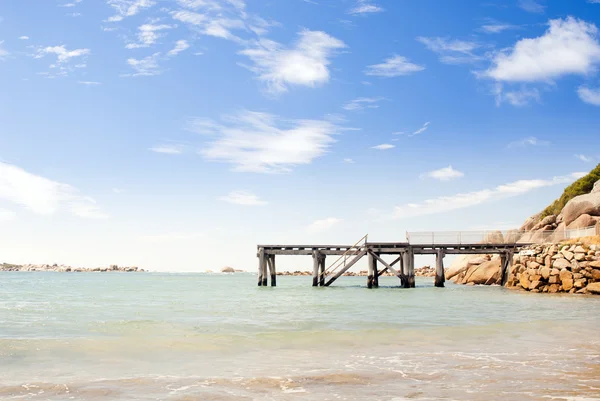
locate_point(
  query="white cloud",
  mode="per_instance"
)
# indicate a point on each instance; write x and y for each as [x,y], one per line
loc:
[180,46]
[264,143]
[62,54]
[324,224]
[128,8]
[452,51]
[349,161]
[24,37]
[532,6]
[492,27]
[148,34]
[148,66]
[169,149]
[43,196]
[217,25]
[362,103]
[529,141]
[243,198]
[444,174]
[383,146]
[589,95]
[72,4]
[3,52]
[365,7]
[304,64]
[424,128]
[569,46]
[394,66]
[6,215]
[585,158]
[463,200]
[518,98]
[89,83]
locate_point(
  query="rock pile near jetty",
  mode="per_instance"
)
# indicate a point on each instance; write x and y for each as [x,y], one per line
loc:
[65,269]
[573,268]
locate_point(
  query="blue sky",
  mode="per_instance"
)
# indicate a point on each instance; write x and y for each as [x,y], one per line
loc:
[178,134]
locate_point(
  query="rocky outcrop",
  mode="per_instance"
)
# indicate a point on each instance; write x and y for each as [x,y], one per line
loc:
[583,204]
[563,267]
[228,270]
[475,269]
[66,269]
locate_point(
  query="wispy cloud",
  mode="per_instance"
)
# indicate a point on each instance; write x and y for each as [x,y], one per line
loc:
[169,149]
[324,224]
[63,65]
[349,161]
[145,67]
[304,64]
[128,8]
[394,66]
[71,4]
[264,143]
[3,53]
[532,6]
[24,37]
[519,98]
[464,200]
[365,7]
[529,141]
[424,128]
[180,46]
[569,46]
[452,51]
[89,83]
[384,146]
[492,27]
[243,198]
[148,34]
[362,103]
[44,196]
[584,158]
[589,95]
[444,174]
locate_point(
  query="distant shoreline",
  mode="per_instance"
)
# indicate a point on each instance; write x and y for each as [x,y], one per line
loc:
[7,267]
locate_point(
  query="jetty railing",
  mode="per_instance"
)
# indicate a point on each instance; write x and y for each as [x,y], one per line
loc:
[341,261]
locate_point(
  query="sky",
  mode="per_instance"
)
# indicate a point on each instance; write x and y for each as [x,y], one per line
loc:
[176,135]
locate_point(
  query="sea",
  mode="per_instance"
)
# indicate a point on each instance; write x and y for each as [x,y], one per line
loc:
[184,337]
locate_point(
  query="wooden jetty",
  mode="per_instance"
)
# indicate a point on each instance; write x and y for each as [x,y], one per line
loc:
[403,266]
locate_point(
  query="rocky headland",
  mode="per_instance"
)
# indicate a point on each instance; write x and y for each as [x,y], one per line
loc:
[6,267]
[560,262]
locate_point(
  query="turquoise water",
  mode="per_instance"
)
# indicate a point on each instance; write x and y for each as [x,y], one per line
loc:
[151,336]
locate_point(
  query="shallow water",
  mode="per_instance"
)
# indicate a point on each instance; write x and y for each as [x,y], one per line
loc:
[151,336]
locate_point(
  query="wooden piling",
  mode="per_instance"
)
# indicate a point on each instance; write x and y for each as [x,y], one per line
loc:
[322,271]
[371,271]
[375,274]
[440,276]
[316,264]
[261,265]
[411,268]
[405,270]
[505,265]
[272,270]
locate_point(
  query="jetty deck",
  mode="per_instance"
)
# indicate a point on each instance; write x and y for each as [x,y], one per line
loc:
[403,266]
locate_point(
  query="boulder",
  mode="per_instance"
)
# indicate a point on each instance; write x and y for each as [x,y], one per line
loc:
[567,285]
[553,288]
[461,264]
[595,275]
[595,264]
[545,272]
[565,275]
[530,222]
[485,273]
[596,187]
[561,264]
[582,204]
[524,281]
[227,270]
[594,288]
[583,221]
[567,254]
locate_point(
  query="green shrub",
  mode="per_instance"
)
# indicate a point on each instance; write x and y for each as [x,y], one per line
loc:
[582,186]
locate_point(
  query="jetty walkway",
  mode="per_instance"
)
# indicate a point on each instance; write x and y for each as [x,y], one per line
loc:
[506,244]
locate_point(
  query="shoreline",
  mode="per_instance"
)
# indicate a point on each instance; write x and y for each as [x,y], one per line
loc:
[8,267]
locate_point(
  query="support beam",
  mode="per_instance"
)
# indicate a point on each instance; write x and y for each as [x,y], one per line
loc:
[322,271]
[440,276]
[261,265]
[272,270]
[383,262]
[505,266]
[371,271]
[346,268]
[405,270]
[375,275]
[411,268]
[316,263]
